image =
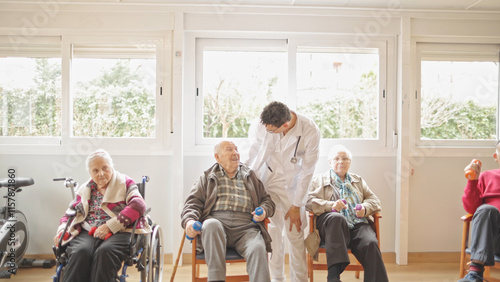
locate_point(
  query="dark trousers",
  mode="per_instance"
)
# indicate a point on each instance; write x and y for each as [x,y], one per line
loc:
[362,241]
[485,234]
[95,260]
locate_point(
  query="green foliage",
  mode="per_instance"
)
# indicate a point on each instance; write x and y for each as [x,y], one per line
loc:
[464,120]
[229,111]
[114,104]
[354,114]
[35,111]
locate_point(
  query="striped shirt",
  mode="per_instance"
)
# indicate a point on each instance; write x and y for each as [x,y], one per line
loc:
[232,195]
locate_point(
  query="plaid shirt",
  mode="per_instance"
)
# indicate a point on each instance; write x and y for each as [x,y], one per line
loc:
[232,195]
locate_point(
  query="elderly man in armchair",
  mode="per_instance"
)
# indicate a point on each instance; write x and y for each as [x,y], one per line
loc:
[224,200]
[333,197]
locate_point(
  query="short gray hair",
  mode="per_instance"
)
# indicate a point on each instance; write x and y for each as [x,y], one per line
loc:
[99,153]
[336,149]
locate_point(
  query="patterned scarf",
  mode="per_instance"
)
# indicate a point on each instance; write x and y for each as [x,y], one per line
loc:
[347,192]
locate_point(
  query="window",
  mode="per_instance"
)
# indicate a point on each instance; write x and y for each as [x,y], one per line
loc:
[459,93]
[105,91]
[114,91]
[235,80]
[341,83]
[341,87]
[30,90]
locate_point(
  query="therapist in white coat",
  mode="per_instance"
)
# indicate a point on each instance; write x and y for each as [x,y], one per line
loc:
[284,152]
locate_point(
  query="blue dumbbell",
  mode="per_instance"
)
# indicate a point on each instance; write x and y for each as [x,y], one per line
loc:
[197,227]
[258,211]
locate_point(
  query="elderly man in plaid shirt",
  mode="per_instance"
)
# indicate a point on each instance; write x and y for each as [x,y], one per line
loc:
[224,200]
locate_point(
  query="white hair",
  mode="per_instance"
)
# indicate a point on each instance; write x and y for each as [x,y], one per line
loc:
[99,153]
[336,149]
[218,146]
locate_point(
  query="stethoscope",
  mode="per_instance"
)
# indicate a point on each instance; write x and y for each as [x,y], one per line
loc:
[293,160]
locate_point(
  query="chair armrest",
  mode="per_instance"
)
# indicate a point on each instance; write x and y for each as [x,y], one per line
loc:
[266,222]
[311,220]
[467,217]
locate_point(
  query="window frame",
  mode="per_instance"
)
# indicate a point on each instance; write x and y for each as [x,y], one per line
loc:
[37,47]
[469,51]
[66,143]
[386,142]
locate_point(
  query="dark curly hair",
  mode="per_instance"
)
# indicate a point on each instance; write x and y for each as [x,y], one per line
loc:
[275,114]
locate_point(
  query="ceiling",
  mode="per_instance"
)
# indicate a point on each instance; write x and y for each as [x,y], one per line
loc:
[455,5]
[447,5]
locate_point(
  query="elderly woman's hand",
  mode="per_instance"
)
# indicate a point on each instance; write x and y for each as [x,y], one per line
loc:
[361,212]
[56,239]
[102,231]
[339,205]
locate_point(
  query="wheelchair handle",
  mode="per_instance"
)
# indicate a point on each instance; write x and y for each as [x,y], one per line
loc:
[196,226]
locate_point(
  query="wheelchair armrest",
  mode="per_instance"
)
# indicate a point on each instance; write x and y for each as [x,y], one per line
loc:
[68,223]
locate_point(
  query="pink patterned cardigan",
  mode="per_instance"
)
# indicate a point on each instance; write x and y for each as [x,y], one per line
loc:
[122,202]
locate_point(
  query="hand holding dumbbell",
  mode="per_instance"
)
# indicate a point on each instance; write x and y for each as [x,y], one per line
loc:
[339,205]
[257,215]
[94,228]
[360,211]
[196,227]
[58,237]
[473,169]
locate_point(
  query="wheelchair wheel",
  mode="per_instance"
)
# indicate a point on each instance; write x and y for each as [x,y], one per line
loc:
[155,258]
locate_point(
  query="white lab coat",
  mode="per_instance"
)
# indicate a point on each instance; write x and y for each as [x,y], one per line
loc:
[287,182]
[269,151]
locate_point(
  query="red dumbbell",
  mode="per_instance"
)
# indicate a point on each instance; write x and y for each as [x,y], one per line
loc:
[66,236]
[94,228]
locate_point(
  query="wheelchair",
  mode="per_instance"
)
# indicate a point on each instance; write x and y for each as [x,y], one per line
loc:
[146,250]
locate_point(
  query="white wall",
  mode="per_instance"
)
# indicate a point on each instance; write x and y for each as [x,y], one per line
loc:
[434,189]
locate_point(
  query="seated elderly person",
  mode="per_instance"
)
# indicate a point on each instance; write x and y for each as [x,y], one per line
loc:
[333,197]
[111,202]
[482,198]
[224,200]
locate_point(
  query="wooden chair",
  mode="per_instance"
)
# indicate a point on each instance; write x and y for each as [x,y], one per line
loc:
[465,252]
[232,256]
[356,266]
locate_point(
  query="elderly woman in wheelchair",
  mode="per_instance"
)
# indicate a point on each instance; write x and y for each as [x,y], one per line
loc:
[98,223]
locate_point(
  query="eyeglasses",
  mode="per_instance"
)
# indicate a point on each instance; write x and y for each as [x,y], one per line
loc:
[272,131]
[345,160]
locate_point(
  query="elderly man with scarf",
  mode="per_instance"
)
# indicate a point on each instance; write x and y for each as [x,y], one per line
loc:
[333,197]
